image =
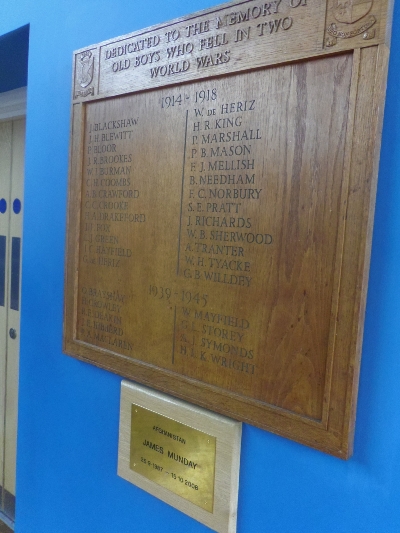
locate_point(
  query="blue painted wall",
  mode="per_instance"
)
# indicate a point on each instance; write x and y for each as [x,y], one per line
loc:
[68,418]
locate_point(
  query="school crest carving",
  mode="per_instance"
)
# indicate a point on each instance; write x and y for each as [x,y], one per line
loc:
[84,70]
[351,18]
[85,65]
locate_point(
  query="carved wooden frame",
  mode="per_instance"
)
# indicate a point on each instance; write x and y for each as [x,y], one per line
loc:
[304,32]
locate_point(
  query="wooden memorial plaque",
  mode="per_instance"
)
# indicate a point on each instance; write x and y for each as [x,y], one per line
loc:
[222,185]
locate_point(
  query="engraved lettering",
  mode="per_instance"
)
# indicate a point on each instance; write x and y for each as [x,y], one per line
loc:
[213,60]
[169,434]
[170,69]
[197,28]
[181,459]
[153,446]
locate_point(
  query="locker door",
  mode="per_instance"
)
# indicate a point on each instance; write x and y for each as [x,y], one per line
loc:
[12,145]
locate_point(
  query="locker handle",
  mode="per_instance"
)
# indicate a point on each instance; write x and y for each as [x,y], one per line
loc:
[3,243]
[15,271]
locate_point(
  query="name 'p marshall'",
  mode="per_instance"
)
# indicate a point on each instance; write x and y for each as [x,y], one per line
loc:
[231,136]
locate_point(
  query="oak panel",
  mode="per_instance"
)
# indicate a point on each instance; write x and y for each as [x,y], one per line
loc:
[220,228]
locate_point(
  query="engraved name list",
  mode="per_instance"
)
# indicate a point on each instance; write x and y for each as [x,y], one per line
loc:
[222,183]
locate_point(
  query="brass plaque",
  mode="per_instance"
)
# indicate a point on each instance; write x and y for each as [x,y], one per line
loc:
[173,455]
[222,183]
[184,455]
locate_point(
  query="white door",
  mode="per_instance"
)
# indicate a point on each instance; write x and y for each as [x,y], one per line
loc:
[12,148]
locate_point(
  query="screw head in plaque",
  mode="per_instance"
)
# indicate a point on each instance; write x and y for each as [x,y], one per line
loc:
[347,14]
[84,73]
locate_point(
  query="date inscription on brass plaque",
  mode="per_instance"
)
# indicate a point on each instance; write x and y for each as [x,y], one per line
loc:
[173,455]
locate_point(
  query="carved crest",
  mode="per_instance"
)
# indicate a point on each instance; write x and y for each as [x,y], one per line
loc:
[349,11]
[85,66]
